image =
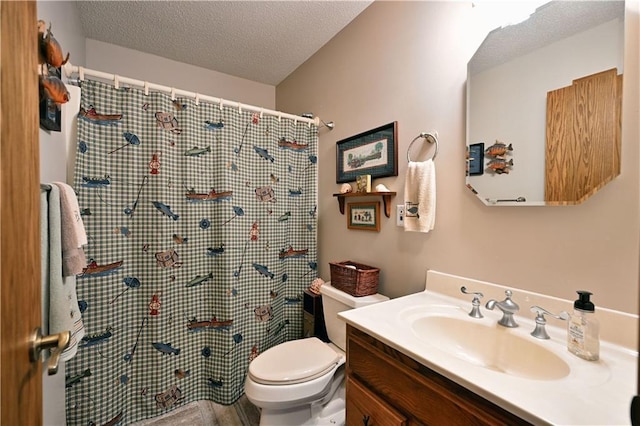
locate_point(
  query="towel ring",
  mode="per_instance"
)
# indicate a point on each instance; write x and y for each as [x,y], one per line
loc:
[430,137]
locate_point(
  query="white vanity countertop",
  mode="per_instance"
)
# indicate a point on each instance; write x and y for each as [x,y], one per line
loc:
[593,393]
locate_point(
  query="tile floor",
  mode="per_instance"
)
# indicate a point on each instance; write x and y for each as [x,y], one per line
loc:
[208,413]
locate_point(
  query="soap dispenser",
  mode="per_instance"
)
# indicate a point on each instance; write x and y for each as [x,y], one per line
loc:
[583,329]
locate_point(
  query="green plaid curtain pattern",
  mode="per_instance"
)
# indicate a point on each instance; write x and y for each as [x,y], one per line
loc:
[202,235]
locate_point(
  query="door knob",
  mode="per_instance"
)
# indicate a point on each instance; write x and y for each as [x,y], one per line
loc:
[56,342]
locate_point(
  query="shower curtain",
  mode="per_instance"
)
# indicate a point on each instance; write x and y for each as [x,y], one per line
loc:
[202,236]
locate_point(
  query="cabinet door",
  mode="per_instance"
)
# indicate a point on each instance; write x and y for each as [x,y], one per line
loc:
[582,137]
[364,408]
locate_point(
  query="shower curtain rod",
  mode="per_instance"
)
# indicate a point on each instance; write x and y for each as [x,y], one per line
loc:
[70,69]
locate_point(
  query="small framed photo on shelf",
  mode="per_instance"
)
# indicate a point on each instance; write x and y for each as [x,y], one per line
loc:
[475,160]
[364,216]
[363,183]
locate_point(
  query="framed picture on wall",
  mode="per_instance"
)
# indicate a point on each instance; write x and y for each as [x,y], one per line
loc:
[373,153]
[364,216]
[475,161]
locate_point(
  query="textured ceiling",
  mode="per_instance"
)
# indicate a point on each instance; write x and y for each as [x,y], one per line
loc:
[551,22]
[263,41]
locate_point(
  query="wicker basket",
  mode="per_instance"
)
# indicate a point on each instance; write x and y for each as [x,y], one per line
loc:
[361,281]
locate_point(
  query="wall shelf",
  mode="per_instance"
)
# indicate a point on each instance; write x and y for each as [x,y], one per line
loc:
[386,199]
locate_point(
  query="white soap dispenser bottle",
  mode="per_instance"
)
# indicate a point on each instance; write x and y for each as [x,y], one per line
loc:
[583,329]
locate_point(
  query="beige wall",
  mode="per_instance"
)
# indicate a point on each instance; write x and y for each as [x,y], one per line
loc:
[66,28]
[406,62]
[131,63]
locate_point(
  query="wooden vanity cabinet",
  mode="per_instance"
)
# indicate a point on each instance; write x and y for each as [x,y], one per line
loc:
[386,387]
[365,408]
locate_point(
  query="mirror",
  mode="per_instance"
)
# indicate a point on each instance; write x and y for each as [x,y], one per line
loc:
[537,133]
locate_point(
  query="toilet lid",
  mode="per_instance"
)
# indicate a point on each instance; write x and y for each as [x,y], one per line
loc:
[294,362]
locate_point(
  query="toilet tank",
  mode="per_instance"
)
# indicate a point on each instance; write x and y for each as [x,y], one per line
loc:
[335,301]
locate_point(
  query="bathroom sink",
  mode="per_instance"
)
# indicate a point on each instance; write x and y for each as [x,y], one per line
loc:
[490,346]
[537,380]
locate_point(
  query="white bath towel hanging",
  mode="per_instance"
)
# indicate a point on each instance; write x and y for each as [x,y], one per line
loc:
[62,305]
[74,236]
[420,196]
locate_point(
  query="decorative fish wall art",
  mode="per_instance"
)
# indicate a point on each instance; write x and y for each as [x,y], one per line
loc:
[50,55]
[52,91]
[499,164]
[498,149]
[50,49]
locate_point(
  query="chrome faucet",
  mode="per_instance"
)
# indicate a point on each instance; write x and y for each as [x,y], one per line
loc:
[540,332]
[508,308]
[475,303]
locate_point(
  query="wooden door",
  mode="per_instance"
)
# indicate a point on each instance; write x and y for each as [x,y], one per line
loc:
[20,310]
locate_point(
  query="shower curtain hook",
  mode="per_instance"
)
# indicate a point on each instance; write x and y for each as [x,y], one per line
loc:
[197,99]
[173,93]
[261,112]
[81,73]
[221,104]
[279,116]
[116,81]
[239,107]
[146,88]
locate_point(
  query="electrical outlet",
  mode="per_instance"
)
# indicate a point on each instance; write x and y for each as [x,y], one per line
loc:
[400,215]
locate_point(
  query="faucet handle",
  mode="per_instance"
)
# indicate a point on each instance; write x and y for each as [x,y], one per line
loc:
[509,303]
[475,303]
[540,332]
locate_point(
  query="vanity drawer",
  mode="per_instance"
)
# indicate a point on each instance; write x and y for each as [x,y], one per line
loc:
[423,395]
[365,409]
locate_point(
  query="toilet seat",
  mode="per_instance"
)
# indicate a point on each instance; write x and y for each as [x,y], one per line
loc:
[295,361]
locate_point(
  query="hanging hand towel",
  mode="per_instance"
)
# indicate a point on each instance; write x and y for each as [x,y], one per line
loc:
[74,235]
[64,312]
[420,196]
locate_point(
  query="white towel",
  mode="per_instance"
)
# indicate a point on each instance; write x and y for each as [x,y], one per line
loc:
[420,196]
[63,310]
[74,235]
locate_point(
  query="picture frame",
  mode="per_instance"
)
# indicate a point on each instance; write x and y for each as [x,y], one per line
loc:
[50,114]
[363,183]
[475,162]
[374,152]
[364,216]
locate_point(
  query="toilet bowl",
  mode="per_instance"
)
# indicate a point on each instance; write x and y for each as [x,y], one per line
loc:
[301,382]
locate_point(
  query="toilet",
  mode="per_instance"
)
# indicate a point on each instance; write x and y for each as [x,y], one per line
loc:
[301,382]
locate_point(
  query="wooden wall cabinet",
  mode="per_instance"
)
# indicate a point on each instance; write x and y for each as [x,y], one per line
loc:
[583,137]
[386,387]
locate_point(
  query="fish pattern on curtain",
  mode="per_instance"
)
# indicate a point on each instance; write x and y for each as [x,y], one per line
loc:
[202,237]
